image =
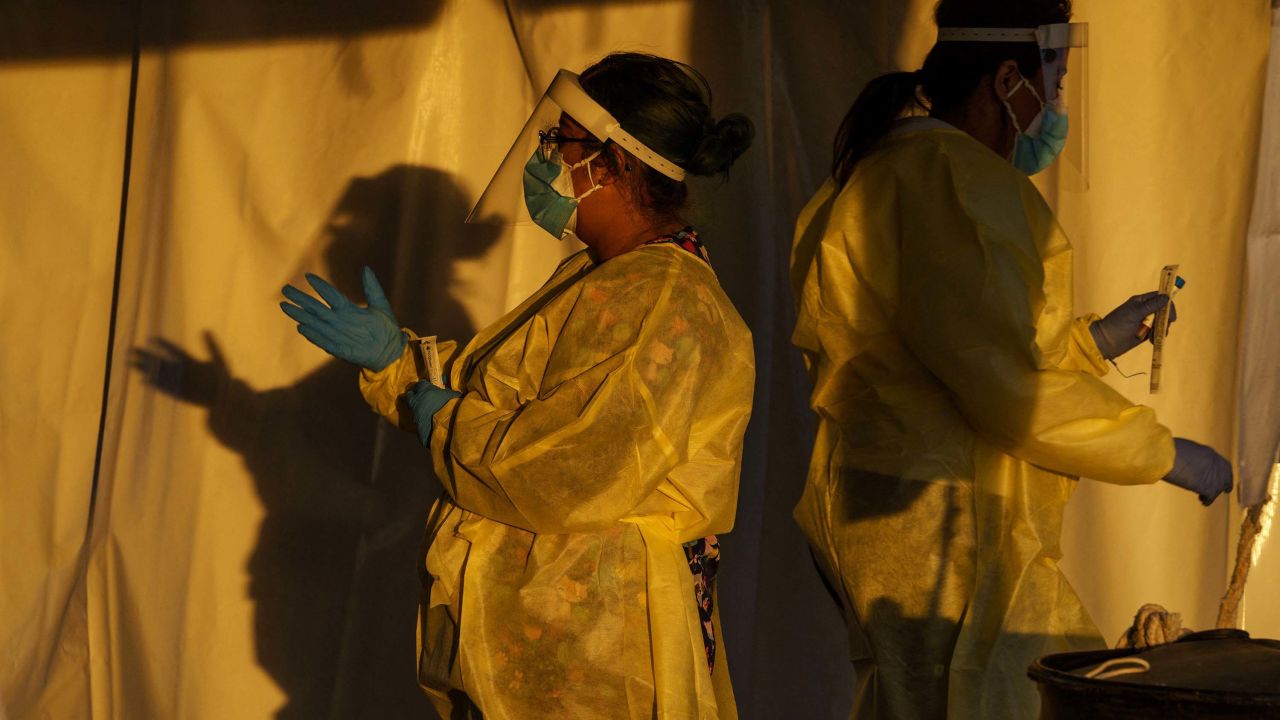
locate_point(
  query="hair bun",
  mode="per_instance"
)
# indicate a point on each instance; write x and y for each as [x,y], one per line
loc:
[721,145]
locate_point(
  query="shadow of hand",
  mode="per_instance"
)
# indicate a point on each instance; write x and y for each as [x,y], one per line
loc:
[172,370]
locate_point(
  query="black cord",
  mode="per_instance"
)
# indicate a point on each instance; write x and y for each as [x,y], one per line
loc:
[1123,373]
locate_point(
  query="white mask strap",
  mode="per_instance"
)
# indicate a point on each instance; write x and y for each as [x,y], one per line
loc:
[584,161]
[590,178]
[1009,108]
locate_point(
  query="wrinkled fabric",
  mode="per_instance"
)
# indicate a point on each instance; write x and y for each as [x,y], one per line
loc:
[958,401]
[600,428]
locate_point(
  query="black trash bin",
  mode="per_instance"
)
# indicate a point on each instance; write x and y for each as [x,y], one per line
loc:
[1204,676]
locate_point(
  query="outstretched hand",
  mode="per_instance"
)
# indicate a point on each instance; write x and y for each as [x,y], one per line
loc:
[169,368]
[366,336]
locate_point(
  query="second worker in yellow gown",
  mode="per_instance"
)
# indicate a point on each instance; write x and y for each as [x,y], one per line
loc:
[958,394]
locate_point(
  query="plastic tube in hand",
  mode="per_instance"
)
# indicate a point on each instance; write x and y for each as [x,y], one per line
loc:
[1149,321]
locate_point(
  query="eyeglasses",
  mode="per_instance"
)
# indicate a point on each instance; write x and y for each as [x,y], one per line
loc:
[549,141]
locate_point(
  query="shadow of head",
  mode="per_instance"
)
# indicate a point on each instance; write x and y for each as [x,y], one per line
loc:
[407,223]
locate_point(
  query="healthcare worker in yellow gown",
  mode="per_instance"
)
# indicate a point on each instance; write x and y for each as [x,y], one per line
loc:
[590,441]
[958,395]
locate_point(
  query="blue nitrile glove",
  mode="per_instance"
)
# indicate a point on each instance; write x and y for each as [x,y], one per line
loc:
[1118,332]
[367,336]
[426,400]
[1200,469]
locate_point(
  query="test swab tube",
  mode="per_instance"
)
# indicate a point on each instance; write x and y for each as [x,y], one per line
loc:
[1170,283]
[1145,328]
[431,360]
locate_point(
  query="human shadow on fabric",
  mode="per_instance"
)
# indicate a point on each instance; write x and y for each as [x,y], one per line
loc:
[898,529]
[334,576]
[41,30]
[914,682]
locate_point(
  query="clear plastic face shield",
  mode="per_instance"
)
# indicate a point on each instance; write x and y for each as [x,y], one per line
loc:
[1064,91]
[534,183]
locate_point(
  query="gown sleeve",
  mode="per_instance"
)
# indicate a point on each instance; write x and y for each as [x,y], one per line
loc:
[976,258]
[383,389]
[1082,350]
[634,370]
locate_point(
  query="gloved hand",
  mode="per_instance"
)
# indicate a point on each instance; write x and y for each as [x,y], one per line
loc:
[1200,469]
[1117,333]
[426,400]
[367,336]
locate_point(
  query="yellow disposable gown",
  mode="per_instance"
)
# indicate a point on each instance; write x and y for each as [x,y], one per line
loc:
[958,402]
[599,429]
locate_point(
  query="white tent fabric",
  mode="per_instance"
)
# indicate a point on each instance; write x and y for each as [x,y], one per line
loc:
[252,542]
[1259,410]
[1260,327]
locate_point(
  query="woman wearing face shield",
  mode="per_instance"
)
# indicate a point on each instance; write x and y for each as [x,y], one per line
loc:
[958,396]
[590,441]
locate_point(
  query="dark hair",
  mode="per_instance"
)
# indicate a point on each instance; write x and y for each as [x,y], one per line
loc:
[666,105]
[950,74]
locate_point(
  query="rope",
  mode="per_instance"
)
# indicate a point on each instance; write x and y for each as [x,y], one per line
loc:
[1153,625]
[1251,527]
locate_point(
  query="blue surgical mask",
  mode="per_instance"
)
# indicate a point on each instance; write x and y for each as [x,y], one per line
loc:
[548,192]
[1035,148]
[1035,152]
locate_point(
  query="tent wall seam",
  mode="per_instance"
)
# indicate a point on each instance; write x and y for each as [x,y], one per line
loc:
[119,260]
